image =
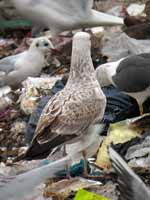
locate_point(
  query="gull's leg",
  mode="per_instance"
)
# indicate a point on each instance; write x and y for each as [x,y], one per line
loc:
[85,172]
[141,108]
[68,163]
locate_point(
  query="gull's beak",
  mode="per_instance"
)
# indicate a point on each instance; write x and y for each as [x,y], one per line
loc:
[52,49]
[51,46]
[55,51]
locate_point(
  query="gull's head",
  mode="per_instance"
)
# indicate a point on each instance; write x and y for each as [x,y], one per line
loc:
[81,40]
[81,61]
[41,44]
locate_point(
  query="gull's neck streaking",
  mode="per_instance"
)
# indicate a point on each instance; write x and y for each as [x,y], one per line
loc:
[81,70]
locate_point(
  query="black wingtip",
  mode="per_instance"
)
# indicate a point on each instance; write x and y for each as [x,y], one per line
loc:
[34,152]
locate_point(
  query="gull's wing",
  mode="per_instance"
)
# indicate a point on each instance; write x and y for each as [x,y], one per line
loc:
[130,185]
[7,64]
[57,15]
[66,117]
[133,73]
[9,72]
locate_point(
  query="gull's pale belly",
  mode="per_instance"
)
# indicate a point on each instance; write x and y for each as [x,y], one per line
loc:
[140,96]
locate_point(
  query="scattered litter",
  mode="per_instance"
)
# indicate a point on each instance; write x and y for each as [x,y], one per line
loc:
[135,9]
[84,195]
[123,128]
[34,89]
[120,45]
[63,188]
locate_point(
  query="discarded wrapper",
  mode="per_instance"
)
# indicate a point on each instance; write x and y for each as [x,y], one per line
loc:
[85,195]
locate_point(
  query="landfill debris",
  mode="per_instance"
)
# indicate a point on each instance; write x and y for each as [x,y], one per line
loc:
[120,45]
[138,155]
[119,132]
[135,9]
[123,128]
[34,89]
[5,102]
[140,31]
[63,188]
[18,127]
[98,31]
[129,183]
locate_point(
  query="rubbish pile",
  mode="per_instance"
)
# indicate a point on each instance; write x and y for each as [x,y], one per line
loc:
[43,109]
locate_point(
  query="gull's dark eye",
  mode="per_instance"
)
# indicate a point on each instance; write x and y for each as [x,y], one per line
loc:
[46,44]
[37,44]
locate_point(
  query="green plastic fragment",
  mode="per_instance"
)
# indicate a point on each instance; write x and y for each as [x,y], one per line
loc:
[85,195]
[12,24]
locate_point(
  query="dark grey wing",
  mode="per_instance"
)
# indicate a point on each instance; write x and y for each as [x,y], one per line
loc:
[133,73]
[130,185]
[8,64]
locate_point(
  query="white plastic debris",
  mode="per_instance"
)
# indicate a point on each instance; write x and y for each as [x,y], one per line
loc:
[135,9]
[40,83]
[98,31]
[120,45]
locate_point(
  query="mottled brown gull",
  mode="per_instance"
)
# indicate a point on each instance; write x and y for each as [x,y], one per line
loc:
[68,114]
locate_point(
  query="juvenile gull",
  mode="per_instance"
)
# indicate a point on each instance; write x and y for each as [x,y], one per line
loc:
[130,75]
[63,15]
[68,114]
[130,185]
[15,69]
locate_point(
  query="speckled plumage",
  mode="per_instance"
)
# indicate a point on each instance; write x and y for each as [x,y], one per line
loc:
[70,112]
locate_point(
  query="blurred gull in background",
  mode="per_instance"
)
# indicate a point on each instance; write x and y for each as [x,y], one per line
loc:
[64,15]
[20,186]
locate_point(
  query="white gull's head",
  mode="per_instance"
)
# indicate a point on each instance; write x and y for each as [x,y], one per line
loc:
[42,44]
